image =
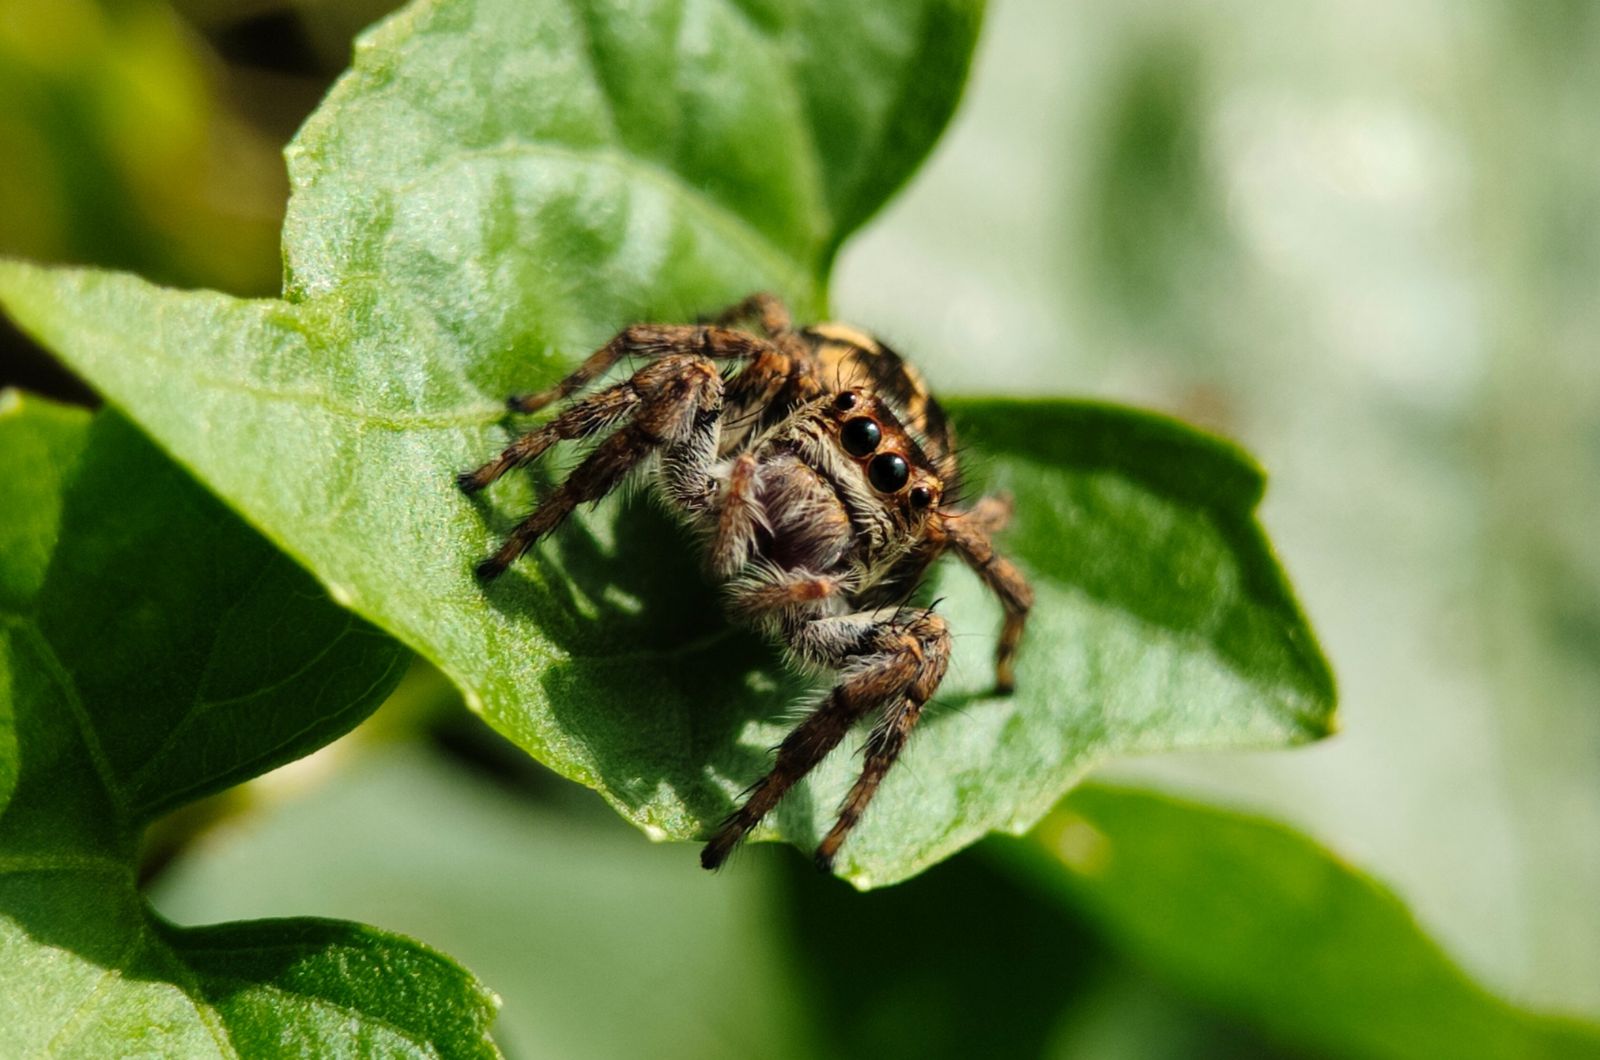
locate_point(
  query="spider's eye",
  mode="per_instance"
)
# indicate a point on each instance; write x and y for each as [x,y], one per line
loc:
[845,401]
[859,436]
[921,497]
[888,472]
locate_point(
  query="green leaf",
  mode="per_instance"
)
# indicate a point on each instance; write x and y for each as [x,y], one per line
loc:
[490,194]
[603,946]
[153,649]
[1256,918]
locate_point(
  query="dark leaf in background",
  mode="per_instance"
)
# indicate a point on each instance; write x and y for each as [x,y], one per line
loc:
[155,649]
[1264,923]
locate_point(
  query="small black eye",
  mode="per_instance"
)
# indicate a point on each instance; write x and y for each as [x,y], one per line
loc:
[888,472]
[921,497]
[859,436]
[845,401]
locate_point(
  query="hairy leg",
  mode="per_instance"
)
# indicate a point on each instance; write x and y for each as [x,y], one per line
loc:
[776,381]
[900,661]
[764,308]
[991,514]
[650,341]
[587,417]
[888,739]
[676,395]
[968,533]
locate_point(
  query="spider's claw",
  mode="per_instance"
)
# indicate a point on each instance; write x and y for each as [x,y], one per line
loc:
[470,482]
[1005,676]
[529,402]
[489,569]
[823,860]
[714,853]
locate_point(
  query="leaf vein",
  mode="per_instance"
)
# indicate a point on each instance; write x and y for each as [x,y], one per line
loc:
[62,677]
[94,999]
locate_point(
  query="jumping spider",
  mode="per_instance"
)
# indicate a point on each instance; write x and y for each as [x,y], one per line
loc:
[820,473]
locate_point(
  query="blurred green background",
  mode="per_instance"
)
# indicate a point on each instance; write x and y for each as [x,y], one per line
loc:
[1361,238]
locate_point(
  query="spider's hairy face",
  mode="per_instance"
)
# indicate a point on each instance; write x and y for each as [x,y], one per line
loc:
[882,474]
[820,474]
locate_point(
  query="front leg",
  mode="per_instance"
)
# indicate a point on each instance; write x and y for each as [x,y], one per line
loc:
[678,399]
[893,661]
[766,309]
[650,341]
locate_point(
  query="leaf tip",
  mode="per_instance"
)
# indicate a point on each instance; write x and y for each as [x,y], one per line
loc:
[1316,724]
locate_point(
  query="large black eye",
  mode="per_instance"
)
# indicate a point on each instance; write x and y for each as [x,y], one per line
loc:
[888,472]
[859,436]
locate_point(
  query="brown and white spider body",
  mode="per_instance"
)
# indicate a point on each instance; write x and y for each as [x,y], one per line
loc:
[817,472]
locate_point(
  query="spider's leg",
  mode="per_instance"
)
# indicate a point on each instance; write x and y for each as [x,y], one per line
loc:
[676,396]
[968,533]
[587,417]
[808,744]
[888,739]
[652,341]
[991,514]
[765,308]
[770,387]
[890,660]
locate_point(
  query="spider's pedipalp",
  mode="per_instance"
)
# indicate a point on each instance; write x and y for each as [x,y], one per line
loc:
[738,519]
[780,591]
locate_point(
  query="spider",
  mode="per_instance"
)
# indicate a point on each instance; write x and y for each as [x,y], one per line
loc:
[820,474]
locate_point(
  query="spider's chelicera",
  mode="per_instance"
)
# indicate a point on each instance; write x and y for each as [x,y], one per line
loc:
[821,474]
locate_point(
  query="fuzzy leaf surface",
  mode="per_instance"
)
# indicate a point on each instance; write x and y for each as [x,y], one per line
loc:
[491,193]
[152,649]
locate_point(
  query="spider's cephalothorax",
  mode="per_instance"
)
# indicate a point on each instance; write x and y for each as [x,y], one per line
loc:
[820,474]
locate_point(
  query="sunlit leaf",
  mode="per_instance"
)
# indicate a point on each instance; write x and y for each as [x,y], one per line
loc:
[489,194]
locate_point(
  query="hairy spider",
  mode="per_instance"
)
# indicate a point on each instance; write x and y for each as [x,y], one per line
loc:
[820,473]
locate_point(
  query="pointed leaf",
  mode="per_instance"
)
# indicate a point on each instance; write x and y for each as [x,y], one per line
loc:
[489,194]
